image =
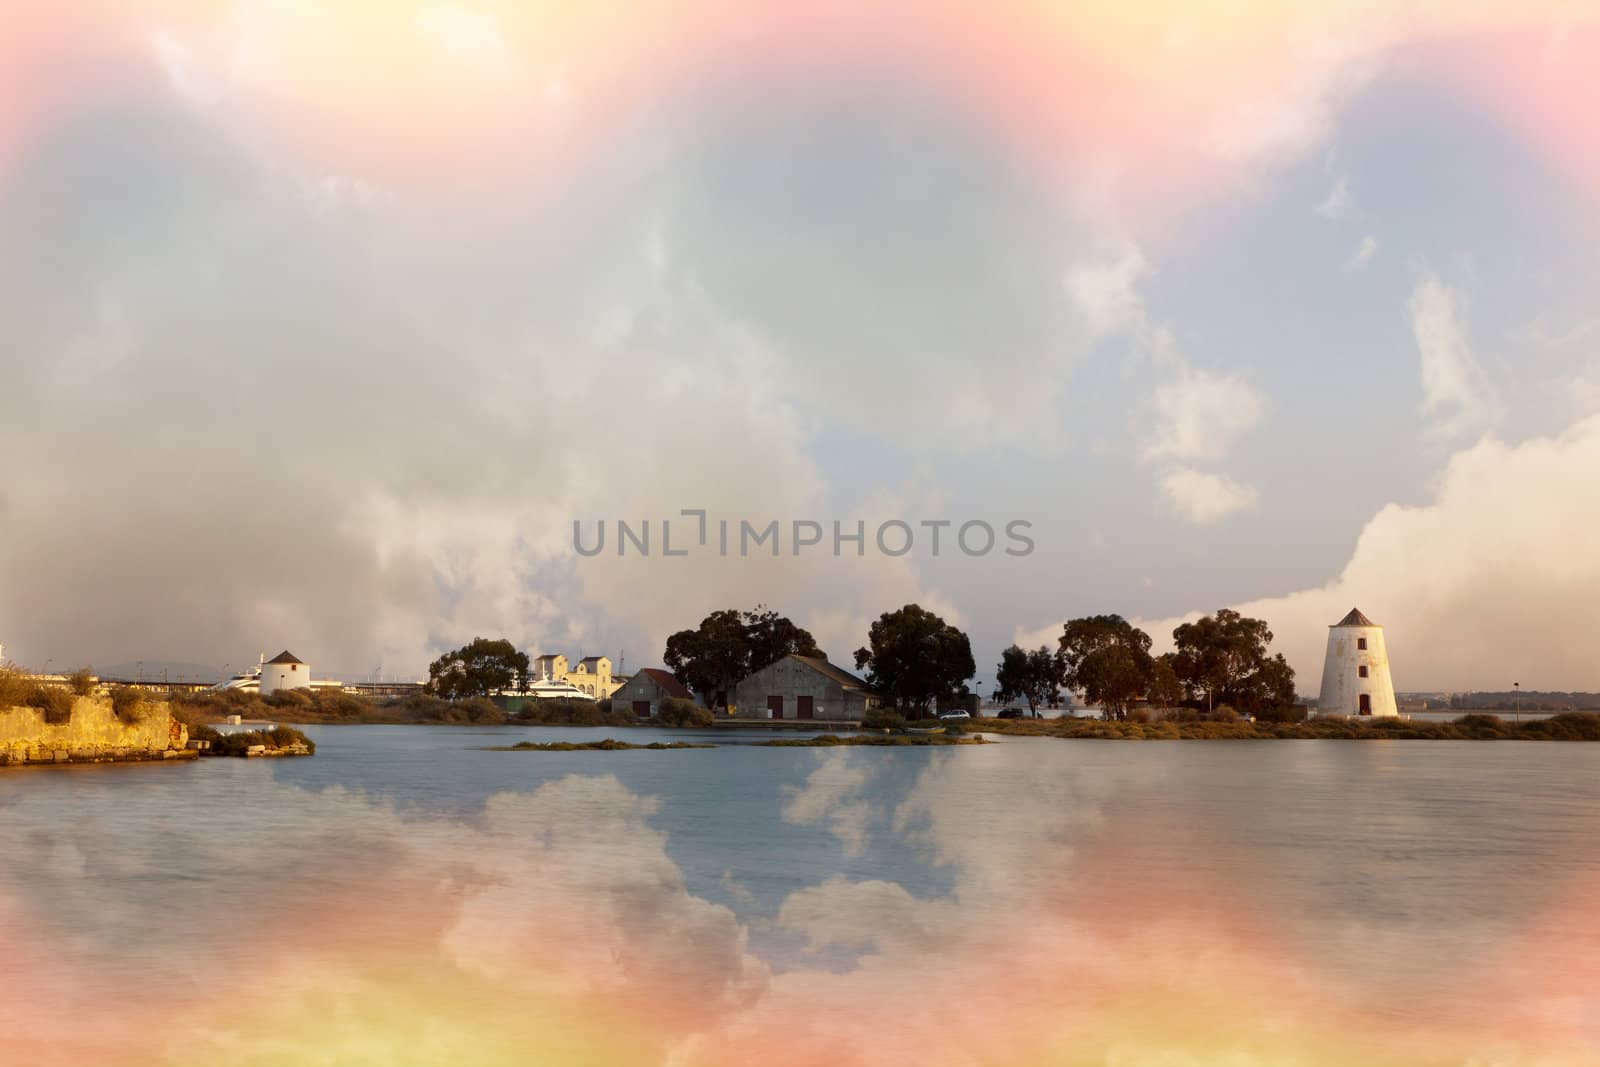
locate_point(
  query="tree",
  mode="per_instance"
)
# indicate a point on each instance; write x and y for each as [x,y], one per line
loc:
[729,645]
[1107,659]
[1166,689]
[1031,676]
[772,637]
[479,669]
[1272,686]
[1225,657]
[916,658]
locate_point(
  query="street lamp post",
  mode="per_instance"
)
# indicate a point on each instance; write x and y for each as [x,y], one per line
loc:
[1517,700]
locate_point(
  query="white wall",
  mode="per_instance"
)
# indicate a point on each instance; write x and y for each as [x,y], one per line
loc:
[1342,684]
[275,676]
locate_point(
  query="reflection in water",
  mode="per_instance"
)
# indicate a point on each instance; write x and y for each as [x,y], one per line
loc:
[405,898]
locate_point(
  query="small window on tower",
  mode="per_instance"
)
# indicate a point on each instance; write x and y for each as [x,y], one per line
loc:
[1362,671]
[1361,643]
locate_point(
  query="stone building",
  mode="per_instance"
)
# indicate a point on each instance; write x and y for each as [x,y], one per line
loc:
[1355,674]
[803,687]
[592,675]
[644,692]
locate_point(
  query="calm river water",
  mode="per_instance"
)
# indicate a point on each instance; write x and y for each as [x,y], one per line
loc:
[408,897]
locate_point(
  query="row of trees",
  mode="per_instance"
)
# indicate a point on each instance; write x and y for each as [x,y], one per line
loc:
[1218,660]
[917,659]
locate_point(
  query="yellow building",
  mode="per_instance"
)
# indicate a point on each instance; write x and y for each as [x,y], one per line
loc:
[592,674]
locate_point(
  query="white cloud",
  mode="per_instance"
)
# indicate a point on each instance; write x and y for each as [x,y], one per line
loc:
[1197,416]
[1102,292]
[1470,585]
[1327,65]
[832,793]
[1200,415]
[1456,393]
[183,72]
[1363,253]
[1337,204]
[1201,497]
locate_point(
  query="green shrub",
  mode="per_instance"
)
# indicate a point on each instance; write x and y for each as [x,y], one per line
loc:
[240,742]
[54,701]
[201,731]
[129,703]
[481,711]
[285,736]
[883,719]
[676,711]
[293,699]
[418,707]
[1288,713]
[15,688]
[573,711]
[1568,726]
[340,706]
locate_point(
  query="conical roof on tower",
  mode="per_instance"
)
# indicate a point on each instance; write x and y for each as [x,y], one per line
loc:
[1355,618]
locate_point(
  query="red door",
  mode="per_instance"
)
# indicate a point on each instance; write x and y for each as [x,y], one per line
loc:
[1366,704]
[641,708]
[774,707]
[803,711]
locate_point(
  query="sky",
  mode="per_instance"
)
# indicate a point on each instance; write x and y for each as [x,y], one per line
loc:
[321,325]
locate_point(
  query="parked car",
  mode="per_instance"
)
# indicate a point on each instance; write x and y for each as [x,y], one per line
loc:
[1011,713]
[954,715]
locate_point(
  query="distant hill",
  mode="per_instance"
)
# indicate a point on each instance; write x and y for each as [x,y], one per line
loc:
[152,670]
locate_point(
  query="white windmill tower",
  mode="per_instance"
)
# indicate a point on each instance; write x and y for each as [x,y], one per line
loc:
[1355,674]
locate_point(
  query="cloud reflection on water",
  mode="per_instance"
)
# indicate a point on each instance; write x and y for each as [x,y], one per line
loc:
[330,927]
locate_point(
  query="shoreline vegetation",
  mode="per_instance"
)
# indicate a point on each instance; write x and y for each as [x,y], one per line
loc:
[299,707]
[278,741]
[1569,726]
[611,744]
[874,740]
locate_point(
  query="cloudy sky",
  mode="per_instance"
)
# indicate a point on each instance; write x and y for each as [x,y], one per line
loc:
[321,324]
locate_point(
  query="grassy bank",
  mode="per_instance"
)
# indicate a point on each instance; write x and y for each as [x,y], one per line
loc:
[825,741]
[873,741]
[1572,726]
[332,708]
[610,744]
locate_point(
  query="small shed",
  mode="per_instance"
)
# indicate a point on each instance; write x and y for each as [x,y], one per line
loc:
[645,691]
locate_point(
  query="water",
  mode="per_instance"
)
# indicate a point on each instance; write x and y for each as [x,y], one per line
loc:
[1403,886]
